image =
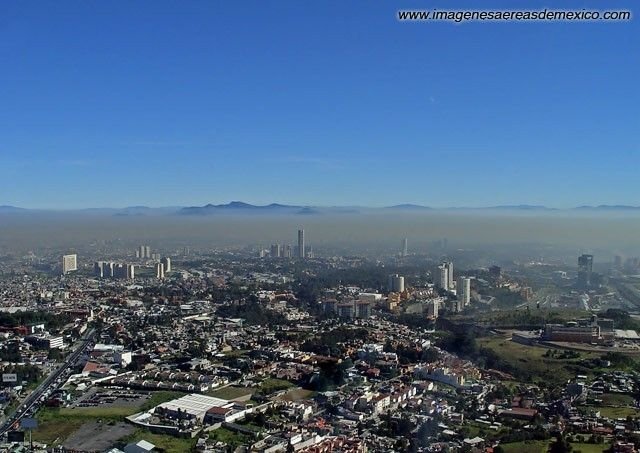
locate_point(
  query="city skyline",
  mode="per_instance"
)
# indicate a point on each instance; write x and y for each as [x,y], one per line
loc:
[173,105]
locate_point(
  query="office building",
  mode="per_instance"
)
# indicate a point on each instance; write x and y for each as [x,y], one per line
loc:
[585,270]
[285,251]
[159,270]
[463,290]
[166,261]
[275,251]
[69,263]
[301,252]
[405,247]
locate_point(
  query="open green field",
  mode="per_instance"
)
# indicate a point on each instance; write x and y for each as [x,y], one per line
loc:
[229,437]
[271,385]
[529,446]
[616,412]
[588,448]
[530,360]
[167,443]
[231,392]
[617,399]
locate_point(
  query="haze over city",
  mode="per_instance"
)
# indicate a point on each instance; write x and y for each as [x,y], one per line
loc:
[312,227]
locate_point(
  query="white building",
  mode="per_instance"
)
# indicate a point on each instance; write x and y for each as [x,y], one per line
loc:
[445,277]
[159,270]
[396,283]
[463,290]
[69,263]
[166,261]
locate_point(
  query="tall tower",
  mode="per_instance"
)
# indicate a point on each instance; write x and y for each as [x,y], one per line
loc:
[443,277]
[301,253]
[585,269]
[450,274]
[405,247]
[463,290]
[166,261]
[159,270]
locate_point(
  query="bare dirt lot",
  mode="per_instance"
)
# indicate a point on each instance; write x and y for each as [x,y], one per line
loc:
[95,436]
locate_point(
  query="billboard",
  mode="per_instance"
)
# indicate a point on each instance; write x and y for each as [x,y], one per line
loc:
[15,436]
[28,423]
[9,377]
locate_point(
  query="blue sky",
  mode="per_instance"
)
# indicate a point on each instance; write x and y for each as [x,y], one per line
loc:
[329,103]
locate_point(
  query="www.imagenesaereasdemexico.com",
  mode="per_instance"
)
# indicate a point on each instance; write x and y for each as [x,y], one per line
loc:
[534,15]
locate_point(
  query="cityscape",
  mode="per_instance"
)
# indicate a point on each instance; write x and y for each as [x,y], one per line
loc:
[319,227]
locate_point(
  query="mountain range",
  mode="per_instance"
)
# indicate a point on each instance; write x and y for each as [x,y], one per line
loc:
[242,208]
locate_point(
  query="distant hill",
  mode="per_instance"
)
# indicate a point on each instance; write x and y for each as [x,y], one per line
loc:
[240,207]
[7,208]
[607,207]
[408,207]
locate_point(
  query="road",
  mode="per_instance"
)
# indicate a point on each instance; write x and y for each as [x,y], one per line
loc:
[48,383]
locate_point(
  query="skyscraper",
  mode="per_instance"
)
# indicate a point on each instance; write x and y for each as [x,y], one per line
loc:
[463,290]
[585,269]
[301,253]
[450,274]
[166,261]
[69,263]
[159,270]
[443,277]
[405,247]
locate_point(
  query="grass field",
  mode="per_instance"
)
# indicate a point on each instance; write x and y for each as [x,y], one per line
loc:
[229,437]
[167,443]
[231,392]
[588,448]
[270,385]
[617,412]
[530,446]
[530,359]
[617,399]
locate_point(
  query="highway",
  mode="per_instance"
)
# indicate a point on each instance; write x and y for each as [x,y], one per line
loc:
[47,384]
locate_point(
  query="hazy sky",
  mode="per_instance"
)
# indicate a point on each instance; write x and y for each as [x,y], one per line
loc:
[329,102]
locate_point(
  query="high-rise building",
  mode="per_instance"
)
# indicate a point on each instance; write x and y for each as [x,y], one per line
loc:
[495,272]
[69,263]
[131,271]
[405,247]
[396,283]
[585,270]
[166,261]
[147,251]
[432,309]
[275,251]
[463,290]
[445,277]
[159,270]
[301,253]
[141,252]
[286,251]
